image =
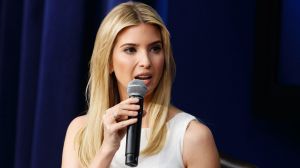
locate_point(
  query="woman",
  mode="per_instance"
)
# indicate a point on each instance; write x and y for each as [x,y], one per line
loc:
[133,43]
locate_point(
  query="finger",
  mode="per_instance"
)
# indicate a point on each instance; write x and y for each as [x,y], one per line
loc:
[111,116]
[119,116]
[115,115]
[128,113]
[123,124]
[124,114]
[129,107]
[131,100]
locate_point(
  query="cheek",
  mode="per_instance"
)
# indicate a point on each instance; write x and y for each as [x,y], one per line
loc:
[118,62]
[159,67]
[118,66]
[160,64]
[122,67]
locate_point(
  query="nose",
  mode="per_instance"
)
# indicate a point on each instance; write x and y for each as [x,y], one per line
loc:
[144,60]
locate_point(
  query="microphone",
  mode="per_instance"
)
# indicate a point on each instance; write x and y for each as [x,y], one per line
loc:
[136,88]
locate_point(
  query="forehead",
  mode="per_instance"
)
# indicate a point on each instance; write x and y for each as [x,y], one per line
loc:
[142,33]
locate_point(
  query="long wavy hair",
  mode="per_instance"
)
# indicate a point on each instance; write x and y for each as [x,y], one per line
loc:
[102,91]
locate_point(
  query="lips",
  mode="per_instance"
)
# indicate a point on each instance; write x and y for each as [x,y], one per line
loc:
[145,77]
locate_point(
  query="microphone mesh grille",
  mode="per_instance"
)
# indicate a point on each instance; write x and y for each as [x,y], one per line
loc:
[136,87]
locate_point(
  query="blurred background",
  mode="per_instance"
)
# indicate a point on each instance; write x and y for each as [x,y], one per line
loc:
[238,71]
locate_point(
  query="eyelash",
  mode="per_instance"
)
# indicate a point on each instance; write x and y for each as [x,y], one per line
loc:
[132,50]
[156,49]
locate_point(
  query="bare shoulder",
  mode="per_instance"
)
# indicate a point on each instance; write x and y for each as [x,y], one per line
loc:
[198,133]
[199,148]
[69,157]
[77,123]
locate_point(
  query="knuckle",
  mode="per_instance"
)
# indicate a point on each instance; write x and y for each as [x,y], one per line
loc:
[104,118]
[120,106]
[110,129]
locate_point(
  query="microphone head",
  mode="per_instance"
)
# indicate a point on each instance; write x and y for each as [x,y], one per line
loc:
[136,87]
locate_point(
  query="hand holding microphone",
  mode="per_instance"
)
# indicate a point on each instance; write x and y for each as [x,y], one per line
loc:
[136,88]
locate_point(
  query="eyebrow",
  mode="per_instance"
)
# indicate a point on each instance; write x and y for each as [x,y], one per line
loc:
[133,44]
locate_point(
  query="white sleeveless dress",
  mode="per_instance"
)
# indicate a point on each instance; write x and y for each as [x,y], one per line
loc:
[171,154]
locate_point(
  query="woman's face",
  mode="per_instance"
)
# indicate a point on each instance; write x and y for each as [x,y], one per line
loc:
[138,54]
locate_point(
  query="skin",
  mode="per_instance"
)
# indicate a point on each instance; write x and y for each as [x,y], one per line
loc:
[139,51]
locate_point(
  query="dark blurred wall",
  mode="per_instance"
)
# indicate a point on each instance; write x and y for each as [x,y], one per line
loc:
[215,50]
[224,51]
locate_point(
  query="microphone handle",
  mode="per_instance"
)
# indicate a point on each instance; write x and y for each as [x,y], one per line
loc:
[133,138]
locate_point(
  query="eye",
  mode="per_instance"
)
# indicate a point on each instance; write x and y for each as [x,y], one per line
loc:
[130,50]
[156,49]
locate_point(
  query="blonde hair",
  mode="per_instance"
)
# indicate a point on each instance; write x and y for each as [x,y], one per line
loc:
[102,89]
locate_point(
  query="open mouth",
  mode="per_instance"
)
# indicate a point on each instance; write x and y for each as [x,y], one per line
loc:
[143,77]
